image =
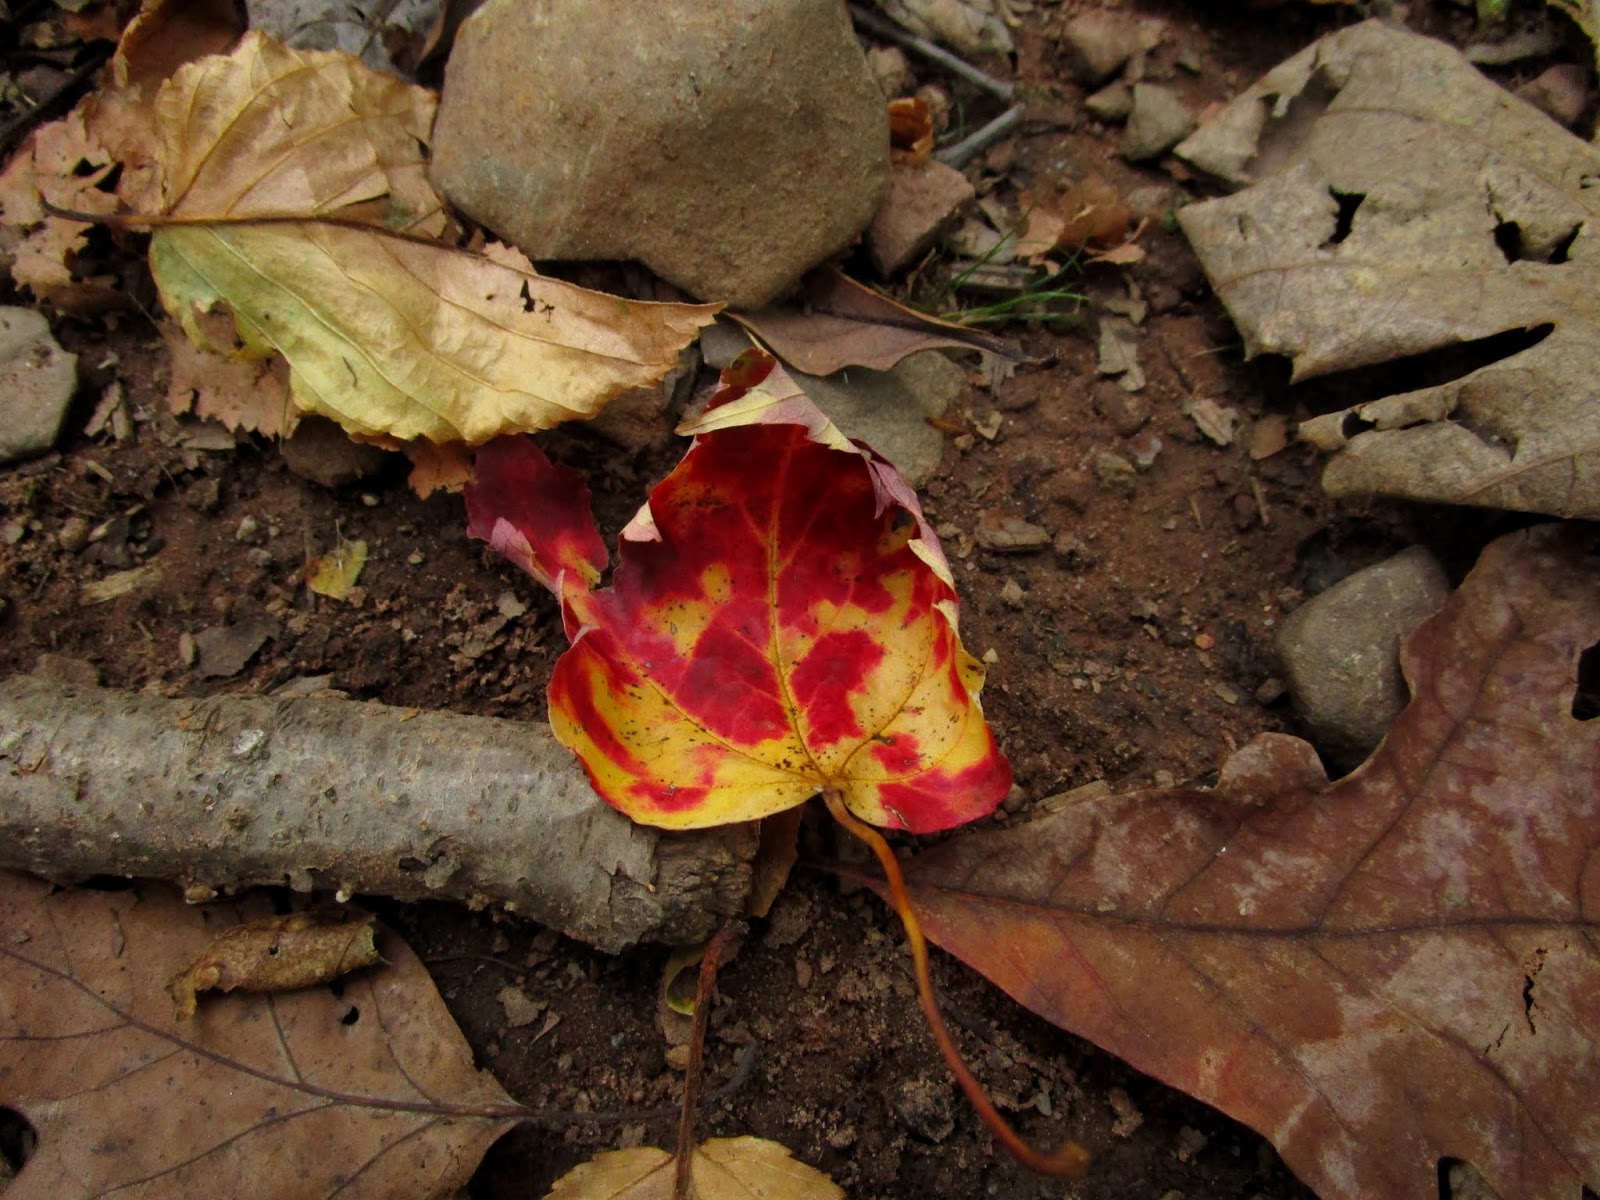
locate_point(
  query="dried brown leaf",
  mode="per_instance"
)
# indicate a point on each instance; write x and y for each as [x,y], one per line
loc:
[1401,203]
[240,392]
[272,954]
[438,466]
[371,1093]
[1087,215]
[1377,974]
[840,323]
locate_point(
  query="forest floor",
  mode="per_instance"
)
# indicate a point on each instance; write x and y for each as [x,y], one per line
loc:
[1138,650]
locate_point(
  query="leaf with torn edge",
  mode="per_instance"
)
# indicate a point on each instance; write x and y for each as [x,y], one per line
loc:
[782,619]
[1377,974]
[240,393]
[743,1168]
[316,236]
[369,1094]
[276,954]
[1399,202]
[841,323]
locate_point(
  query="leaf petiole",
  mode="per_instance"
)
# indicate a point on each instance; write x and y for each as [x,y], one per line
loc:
[1070,1159]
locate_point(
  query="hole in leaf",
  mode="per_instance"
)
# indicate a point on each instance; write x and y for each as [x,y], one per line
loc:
[351,1016]
[1586,697]
[107,883]
[1414,372]
[1508,236]
[18,1139]
[112,177]
[1345,218]
[1354,423]
[528,304]
[1562,250]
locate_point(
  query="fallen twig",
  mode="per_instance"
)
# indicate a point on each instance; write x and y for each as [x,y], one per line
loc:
[234,791]
[957,66]
[959,154]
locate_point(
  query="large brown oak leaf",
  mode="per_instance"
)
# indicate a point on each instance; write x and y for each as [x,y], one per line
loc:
[1379,974]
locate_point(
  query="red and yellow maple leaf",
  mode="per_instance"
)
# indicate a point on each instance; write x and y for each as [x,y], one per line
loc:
[782,620]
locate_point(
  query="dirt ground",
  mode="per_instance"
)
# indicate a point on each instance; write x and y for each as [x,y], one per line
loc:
[1140,652]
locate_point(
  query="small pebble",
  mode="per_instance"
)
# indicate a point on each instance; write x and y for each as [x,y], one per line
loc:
[1011,594]
[74,535]
[249,532]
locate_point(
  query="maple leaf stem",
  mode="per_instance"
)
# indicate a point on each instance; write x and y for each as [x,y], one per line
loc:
[682,1189]
[1070,1159]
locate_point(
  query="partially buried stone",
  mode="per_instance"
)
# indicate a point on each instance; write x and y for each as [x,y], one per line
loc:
[1010,535]
[729,145]
[320,451]
[1340,651]
[37,379]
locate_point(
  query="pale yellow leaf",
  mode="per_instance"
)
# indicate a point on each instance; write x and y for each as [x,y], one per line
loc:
[394,336]
[335,573]
[267,131]
[744,1168]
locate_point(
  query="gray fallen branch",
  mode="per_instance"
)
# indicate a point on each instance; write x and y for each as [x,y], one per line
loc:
[885,28]
[334,794]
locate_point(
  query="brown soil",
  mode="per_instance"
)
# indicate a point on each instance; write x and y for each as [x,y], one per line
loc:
[1140,652]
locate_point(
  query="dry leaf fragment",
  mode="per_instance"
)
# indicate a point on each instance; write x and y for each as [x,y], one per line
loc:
[335,573]
[1087,215]
[368,1095]
[1400,203]
[239,392]
[1380,973]
[910,130]
[277,954]
[842,323]
[743,1168]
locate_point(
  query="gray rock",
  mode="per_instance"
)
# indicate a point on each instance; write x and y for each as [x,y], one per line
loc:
[320,451]
[1006,534]
[225,650]
[1095,46]
[730,145]
[1340,652]
[923,200]
[37,379]
[889,410]
[1111,103]
[1158,121]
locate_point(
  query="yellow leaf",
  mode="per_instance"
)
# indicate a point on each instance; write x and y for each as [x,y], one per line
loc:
[394,336]
[269,132]
[335,573]
[744,1168]
[300,184]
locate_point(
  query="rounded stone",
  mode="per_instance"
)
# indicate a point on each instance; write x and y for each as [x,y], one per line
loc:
[1341,651]
[729,145]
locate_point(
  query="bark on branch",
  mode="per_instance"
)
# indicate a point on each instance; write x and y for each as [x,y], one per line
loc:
[233,791]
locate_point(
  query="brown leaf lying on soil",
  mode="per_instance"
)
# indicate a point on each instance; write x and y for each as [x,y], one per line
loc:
[1087,215]
[276,954]
[371,1093]
[743,1168]
[1401,202]
[840,323]
[1377,974]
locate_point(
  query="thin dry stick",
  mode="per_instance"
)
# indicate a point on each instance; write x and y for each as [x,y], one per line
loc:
[682,1189]
[938,54]
[1071,1159]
